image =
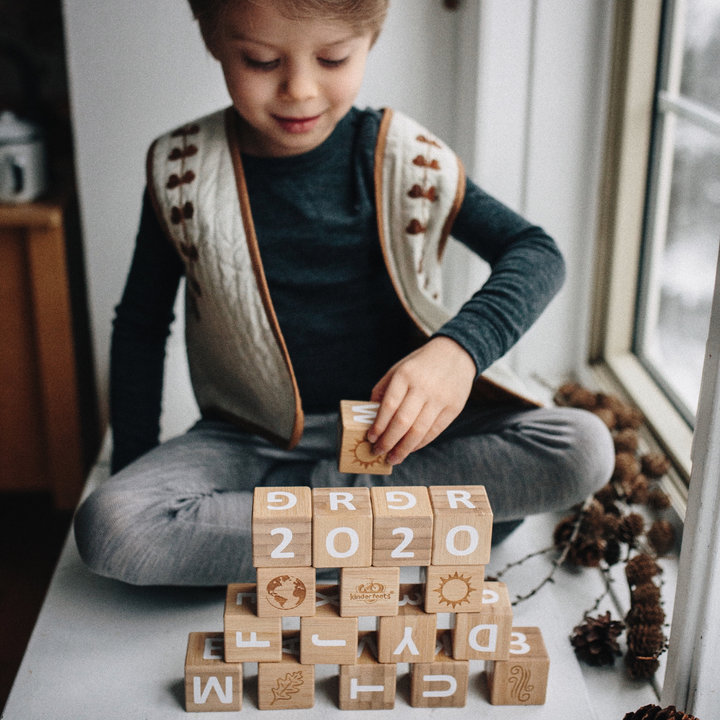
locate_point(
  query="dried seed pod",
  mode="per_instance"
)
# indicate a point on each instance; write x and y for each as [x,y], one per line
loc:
[612,402]
[583,398]
[586,552]
[655,465]
[638,490]
[658,500]
[626,441]
[611,525]
[606,495]
[631,418]
[607,416]
[595,641]
[645,615]
[646,593]
[592,522]
[627,468]
[612,552]
[641,569]
[661,537]
[646,640]
[640,667]
[564,530]
[630,528]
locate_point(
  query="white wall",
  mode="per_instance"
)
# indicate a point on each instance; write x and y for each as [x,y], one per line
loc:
[515,86]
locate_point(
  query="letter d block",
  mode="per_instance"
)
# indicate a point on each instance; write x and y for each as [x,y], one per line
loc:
[282,527]
[342,527]
[443,682]
[354,451]
[249,638]
[367,685]
[521,680]
[485,635]
[210,683]
[286,684]
[462,527]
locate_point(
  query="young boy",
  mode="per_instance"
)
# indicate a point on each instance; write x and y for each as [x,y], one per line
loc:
[310,234]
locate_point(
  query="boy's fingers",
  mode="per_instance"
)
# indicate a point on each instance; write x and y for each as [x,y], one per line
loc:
[441,423]
[414,436]
[402,420]
[389,395]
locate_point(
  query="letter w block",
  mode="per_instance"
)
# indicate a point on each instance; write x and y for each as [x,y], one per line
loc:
[354,451]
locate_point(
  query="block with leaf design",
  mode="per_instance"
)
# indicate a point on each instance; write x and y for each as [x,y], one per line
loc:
[287,684]
[354,451]
[454,589]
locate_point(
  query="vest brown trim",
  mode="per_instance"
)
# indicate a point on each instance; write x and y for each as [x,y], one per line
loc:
[457,203]
[251,238]
[150,182]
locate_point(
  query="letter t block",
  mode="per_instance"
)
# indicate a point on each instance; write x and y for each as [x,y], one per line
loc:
[367,685]
[354,451]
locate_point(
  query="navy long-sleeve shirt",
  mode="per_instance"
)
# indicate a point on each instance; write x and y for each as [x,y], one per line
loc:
[344,326]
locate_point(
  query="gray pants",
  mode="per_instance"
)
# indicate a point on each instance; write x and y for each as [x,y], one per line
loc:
[181,514]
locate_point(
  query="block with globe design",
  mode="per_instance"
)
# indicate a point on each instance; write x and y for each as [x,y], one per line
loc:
[285,592]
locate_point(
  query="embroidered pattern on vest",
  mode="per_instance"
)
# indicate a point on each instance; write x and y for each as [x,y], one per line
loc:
[425,193]
[183,211]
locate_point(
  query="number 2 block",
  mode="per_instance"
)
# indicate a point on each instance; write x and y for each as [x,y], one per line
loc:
[354,451]
[462,525]
[282,527]
[522,679]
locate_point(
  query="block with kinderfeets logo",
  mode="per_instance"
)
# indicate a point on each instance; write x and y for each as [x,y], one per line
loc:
[369,591]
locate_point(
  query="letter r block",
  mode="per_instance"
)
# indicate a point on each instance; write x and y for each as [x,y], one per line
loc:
[462,526]
[443,682]
[522,679]
[249,638]
[342,527]
[210,683]
[354,451]
[368,684]
[282,527]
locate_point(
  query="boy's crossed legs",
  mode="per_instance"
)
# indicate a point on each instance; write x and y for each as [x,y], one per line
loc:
[181,514]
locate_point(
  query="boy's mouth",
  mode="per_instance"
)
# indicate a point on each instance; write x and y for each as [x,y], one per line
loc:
[296,125]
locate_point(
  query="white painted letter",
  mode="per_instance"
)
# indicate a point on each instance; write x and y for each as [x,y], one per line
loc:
[253,642]
[200,696]
[213,646]
[327,643]
[365,414]
[330,542]
[277,497]
[341,498]
[355,688]
[397,496]
[492,638]
[407,642]
[456,496]
[450,540]
[450,690]
[519,639]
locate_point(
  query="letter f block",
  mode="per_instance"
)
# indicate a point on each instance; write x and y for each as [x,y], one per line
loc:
[210,683]
[249,638]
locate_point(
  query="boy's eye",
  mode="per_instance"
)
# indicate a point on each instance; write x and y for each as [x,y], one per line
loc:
[331,63]
[260,64]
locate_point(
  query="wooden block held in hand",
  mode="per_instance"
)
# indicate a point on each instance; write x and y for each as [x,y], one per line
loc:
[285,592]
[369,591]
[454,590]
[327,638]
[402,529]
[444,681]
[342,527]
[354,451]
[522,679]
[282,527]
[286,684]
[462,525]
[211,684]
[249,638]
[410,636]
[485,635]
[368,684]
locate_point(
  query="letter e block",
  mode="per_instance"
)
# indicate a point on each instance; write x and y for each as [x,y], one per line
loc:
[485,635]
[249,638]
[441,683]
[354,451]
[368,684]
[521,680]
[410,636]
[462,527]
[342,527]
[369,591]
[286,684]
[210,683]
[453,589]
[327,638]
[285,592]
[402,530]
[282,527]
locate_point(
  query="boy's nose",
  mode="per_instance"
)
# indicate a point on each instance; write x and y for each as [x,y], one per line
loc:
[299,84]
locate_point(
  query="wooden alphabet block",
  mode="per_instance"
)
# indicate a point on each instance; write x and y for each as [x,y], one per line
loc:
[368,684]
[443,682]
[327,638]
[453,589]
[249,638]
[369,591]
[210,682]
[282,527]
[354,451]
[462,527]
[342,527]
[485,635]
[402,530]
[285,592]
[286,684]
[522,679]
[410,636]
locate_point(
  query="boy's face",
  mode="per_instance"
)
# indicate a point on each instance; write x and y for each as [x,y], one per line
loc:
[290,80]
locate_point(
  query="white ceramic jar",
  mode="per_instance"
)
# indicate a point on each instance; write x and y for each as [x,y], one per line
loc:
[22,160]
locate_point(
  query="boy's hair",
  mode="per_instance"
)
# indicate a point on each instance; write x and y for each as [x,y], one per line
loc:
[363,15]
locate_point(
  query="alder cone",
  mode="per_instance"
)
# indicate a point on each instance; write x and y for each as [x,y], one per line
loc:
[661,536]
[654,465]
[637,491]
[595,641]
[627,468]
[640,667]
[655,712]
[646,640]
[564,393]
[626,441]
[641,569]
[612,552]
[607,416]
[646,593]
[629,528]
[630,418]
[658,500]
[645,615]
[606,496]
[586,552]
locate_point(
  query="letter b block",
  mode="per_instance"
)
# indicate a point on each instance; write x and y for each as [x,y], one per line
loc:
[441,683]
[282,527]
[462,527]
[210,682]
[342,527]
[354,451]
[368,684]
[522,679]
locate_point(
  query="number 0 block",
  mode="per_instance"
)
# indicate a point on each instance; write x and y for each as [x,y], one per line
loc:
[354,451]
[282,527]
[462,525]
[522,679]
[210,683]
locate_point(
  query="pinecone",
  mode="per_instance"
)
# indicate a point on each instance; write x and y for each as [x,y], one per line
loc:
[637,491]
[658,500]
[595,640]
[593,519]
[655,712]
[646,593]
[661,537]
[654,465]
[645,615]
[640,667]
[612,552]
[606,496]
[607,416]
[626,441]
[627,468]
[586,552]
[630,418]
[611,525]
[641,569]
[630,527]
[563,531]
[646,640]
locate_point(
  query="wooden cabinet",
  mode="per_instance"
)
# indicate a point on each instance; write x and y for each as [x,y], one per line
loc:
[40,434]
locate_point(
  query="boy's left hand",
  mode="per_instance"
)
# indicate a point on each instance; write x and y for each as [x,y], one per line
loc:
[419,397]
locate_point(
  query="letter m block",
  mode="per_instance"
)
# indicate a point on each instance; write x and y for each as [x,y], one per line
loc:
[211,684]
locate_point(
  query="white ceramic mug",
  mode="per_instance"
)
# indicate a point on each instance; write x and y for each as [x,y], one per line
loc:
[22,160]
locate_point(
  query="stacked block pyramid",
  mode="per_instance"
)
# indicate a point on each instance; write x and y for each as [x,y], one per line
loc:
[368,534]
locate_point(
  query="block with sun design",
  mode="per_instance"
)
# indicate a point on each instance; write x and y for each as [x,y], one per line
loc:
[286,685]
[454,590]
[354,451]
[286,592]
